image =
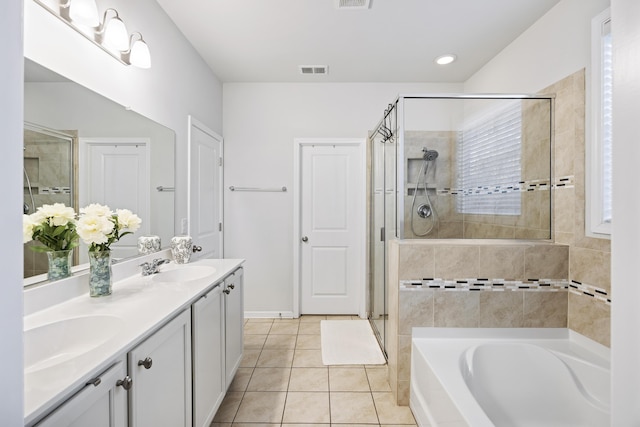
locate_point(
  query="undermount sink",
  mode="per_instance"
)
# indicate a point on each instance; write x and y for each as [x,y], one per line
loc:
[58,342]
[184,273]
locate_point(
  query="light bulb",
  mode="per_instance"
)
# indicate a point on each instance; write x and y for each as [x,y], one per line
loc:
[84,12]
[140,56]
[115,34]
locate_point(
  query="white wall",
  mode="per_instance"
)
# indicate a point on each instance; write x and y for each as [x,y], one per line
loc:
[260,124]
[625,242]
[557,45]
[11,76]
[178,83]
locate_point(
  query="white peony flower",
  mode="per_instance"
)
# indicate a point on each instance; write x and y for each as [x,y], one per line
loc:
[128,220]
[38,217]
[96,209]
[57,214]
[27,228]
[94,228]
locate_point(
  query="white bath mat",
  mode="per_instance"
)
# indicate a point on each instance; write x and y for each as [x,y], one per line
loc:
[349,342]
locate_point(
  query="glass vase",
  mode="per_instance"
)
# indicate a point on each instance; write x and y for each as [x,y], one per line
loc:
[99,273]
[59,264]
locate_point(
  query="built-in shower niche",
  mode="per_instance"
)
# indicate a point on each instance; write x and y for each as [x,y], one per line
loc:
[414,166]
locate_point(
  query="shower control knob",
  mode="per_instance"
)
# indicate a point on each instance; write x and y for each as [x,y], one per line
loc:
[197,248]
[305,239]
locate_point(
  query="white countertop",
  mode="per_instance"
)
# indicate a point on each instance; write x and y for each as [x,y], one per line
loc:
[141,305]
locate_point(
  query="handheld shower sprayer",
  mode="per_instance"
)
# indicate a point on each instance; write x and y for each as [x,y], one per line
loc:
[429,155]
[424,210]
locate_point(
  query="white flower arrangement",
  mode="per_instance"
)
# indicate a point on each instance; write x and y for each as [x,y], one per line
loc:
[52,225]
[99,227]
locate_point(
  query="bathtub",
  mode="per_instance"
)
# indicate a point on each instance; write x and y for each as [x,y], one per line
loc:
[508,377]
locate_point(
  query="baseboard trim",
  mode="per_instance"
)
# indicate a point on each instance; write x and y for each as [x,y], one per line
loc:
[268,314]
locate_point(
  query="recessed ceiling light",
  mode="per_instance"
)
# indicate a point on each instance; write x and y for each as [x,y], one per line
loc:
[445,59]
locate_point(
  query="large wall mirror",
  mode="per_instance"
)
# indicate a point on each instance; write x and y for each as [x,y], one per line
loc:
[81,148]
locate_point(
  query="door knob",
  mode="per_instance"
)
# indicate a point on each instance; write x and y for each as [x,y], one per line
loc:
[196,248]
[305,239]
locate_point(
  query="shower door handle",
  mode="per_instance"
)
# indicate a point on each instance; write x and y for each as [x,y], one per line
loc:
[305,239]
[382,234]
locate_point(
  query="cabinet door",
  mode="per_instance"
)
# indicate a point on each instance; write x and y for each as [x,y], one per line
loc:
[160,368]
[208,356]
[234,319]
[101,403]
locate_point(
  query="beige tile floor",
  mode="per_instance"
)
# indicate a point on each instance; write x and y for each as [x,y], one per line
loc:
[282,382]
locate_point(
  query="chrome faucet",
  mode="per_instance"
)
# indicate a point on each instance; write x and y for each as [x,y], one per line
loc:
[149,268]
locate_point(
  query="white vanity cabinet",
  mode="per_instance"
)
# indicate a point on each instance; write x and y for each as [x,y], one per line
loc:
[208,355]
[160,368]
[101,403]
[172,361]
[234,322]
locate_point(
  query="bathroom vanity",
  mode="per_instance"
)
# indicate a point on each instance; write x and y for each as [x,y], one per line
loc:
[161,350]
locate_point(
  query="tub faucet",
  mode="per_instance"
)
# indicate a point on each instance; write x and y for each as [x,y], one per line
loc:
[149,268]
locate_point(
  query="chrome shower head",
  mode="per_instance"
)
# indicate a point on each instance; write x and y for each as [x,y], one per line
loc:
[429,155]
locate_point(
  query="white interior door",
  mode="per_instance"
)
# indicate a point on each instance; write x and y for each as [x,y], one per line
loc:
[205,190]
[115,172]
[331,238]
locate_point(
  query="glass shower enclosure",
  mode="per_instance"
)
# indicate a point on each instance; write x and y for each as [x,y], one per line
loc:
[457,166]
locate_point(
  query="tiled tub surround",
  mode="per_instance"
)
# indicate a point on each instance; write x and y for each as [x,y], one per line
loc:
[511,262]
[473,377]
[590,258]
[479,284]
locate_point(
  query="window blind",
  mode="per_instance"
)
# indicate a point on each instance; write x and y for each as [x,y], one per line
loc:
[607,108]
[489,152]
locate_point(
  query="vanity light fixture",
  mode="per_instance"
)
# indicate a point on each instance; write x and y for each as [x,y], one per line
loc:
[109,35]
[445,59]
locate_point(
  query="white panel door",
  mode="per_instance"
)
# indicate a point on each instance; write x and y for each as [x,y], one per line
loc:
[116,173]
[330,222]
[205,190]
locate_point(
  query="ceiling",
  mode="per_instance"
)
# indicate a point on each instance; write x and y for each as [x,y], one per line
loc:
[392,41]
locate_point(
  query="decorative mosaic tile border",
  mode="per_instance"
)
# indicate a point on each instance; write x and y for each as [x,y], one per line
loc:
[520,187]
[486,284]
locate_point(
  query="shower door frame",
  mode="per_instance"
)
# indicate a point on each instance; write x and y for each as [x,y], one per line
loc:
[399,186]
[400,127]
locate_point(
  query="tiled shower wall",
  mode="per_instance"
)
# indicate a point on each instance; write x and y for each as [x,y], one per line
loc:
[590,258]
[535,219]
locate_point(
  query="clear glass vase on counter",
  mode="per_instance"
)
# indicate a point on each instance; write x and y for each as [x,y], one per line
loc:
[99,273]
[59,264]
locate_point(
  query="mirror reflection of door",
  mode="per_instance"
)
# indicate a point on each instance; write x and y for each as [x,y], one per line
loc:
[115,172]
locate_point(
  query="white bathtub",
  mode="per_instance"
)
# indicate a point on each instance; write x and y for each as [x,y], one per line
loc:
[508,377]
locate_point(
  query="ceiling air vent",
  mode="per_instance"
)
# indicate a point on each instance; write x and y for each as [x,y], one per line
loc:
[314,69]
[352,4]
